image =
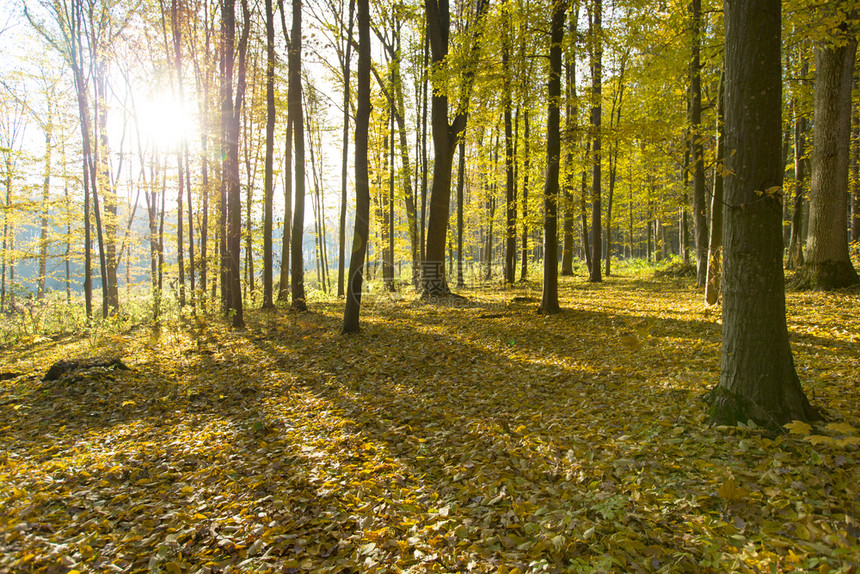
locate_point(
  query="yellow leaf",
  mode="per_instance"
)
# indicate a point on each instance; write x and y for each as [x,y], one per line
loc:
[799,428]
[127,403]
[520,429]
[843,428]
[731,491]
[172,568]
[632,342]
[849,441]
[820,439]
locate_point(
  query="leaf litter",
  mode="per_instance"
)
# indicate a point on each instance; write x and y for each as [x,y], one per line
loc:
[437,440]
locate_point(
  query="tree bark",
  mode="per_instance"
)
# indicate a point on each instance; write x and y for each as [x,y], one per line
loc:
[757,377]
[46,189]
[700,220]
[297,279]
[795,244]
[827,264]
[596,78]
[524,266]
[341,255]
[549,297]
[362,187]
[571,115]
[855,176]
[268,179]
[461,177]
[233,284]
[715,243]
[510,182]
[445,137]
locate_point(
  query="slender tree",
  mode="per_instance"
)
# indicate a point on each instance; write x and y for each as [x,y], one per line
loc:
[549,297]
[795,244]
[268,177]
[510,180]
[362,185]
[594,274]
[294,99]
[231,111]
[284,280]
[345,69]
[715,241]
[571,118]
[697,146]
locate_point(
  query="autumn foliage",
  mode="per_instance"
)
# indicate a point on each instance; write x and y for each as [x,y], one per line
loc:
[482,438]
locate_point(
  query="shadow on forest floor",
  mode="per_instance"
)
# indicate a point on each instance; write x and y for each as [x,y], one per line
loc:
[435,440]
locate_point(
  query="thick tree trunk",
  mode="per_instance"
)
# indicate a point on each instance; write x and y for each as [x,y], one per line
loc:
[549,297]
[757,379]
[445,136]
[827,263]
[362,187]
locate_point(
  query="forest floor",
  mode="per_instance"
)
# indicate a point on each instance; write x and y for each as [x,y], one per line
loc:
[483,438]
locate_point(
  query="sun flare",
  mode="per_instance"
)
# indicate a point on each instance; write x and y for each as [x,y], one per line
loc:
[165,121]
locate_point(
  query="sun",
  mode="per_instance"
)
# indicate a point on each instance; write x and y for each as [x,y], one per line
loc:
[165,121]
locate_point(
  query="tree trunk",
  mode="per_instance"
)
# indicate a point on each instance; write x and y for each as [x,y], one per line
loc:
[297,283]
[596,77]
[571,115]
[268,179]
[827,264]
[461,176]
[362,187]
[614,116]
[46,189]
[510,182]
[715,243]
[583,211]
[341,255]
[549,297]
[757,379]
[231,165]
[700,219]
[855,177]
[445,136]
[795,244]
[524,269]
